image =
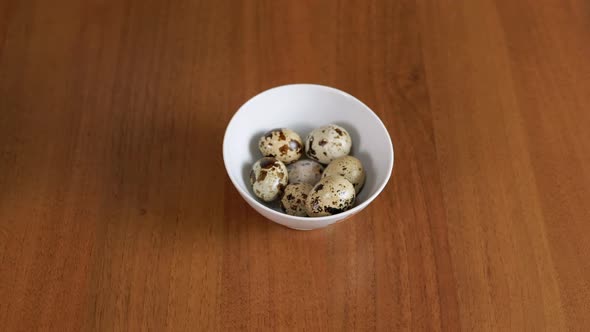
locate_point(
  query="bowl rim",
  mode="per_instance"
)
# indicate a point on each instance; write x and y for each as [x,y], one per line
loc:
[345,214]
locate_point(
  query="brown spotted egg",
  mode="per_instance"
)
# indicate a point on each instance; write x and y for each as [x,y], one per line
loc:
[327,143]
[268,178]
[293,201]
[305,171]
[281,143]
[332,195]
[348,167]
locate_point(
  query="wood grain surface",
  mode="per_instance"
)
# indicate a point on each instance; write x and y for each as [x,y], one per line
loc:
[116,213]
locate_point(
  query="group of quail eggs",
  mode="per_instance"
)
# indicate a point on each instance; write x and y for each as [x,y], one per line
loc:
[308,187]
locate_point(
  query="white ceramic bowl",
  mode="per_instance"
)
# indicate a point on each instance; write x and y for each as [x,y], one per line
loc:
[303,107]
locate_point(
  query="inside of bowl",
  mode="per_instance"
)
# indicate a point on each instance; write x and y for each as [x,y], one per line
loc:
[303,108]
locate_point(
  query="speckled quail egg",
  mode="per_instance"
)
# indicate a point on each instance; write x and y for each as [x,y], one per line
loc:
[268,178]
[281,143]
[293,201]
[332,195]
[327,143]
[348,167]
[305,171]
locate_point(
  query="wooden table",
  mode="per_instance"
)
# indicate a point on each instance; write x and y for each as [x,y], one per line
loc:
[116,213]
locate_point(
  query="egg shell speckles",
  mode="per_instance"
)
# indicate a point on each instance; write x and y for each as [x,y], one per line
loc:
[348,167]
[268,178]
[281,143]
[327,143]
[305,171]
[332,195]
[293,201]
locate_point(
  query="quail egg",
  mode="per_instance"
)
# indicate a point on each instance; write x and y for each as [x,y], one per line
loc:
[305,171]
[332,195]
[327,143]
[348,167]
[293,201]
[281,143]
[268,178]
